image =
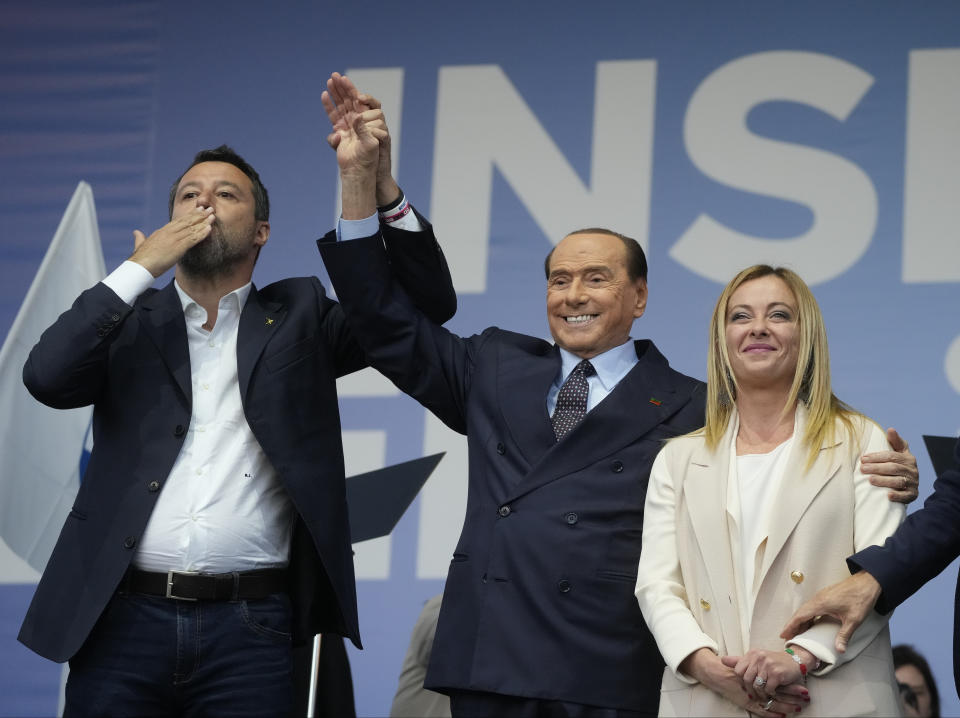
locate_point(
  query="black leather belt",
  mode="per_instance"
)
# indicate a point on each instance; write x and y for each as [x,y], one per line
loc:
[189,586]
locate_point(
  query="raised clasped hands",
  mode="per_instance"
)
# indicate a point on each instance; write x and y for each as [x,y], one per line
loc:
[776,698]
[357,126]
[165,246]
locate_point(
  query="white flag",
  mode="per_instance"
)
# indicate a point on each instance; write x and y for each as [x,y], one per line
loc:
[40,447]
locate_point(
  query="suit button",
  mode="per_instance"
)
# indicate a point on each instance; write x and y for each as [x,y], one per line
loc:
[564,586]
[179,430]
[616,467]
[114,317]
[571,518]
[101,332]
[797,576]
[153,486]
[501,449]
[504,511]
[483,578]
[705,604]
[129,542]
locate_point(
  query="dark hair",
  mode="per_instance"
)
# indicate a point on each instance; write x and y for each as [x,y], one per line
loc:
[636,259]
[224,153]
[906,655]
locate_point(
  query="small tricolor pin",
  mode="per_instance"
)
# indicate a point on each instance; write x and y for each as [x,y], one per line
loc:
[655,402]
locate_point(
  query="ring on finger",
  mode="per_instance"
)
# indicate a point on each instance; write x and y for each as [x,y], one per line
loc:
[766,706]
[759,682]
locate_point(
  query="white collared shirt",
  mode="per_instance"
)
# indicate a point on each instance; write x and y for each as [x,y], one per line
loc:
[222,508]
[609,368]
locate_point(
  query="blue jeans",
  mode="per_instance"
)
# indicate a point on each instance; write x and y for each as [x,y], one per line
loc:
[153,656]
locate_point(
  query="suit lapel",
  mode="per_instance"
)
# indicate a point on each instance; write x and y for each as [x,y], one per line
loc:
[625,415]
[523,384]
[705,490]
[798,488]
[161,316]
[258,322]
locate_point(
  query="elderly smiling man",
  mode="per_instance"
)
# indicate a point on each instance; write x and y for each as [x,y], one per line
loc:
[538,614]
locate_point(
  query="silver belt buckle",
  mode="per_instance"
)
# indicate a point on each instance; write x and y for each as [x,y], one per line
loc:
[170,593]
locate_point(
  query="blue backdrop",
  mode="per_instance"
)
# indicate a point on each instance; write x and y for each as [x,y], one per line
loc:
[820,135]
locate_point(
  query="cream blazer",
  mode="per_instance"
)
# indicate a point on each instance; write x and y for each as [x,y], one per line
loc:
[688,578]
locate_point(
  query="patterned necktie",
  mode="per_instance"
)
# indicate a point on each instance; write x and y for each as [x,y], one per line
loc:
[572,400]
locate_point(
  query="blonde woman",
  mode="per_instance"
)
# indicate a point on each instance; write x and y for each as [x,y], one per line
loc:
[748,517]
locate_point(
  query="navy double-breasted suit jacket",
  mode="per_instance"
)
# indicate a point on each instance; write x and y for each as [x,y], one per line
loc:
[132,363]
[925,544]
[539,596]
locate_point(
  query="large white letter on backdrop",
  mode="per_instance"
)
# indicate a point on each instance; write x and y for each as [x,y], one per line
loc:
[931,210]
[443,500]
[840,195]
[483,121]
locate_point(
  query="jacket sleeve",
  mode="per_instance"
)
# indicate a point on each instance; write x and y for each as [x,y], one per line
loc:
[660,586]
[926,543]
[419,265]
[422,358]
[68,366]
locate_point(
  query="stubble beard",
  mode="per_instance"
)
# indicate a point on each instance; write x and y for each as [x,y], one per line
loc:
[216,255]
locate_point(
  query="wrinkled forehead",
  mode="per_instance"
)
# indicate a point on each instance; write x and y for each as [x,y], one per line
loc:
[576,250]
[214,173]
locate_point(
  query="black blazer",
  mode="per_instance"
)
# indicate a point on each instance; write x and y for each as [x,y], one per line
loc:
[133,365]
[924,544]
[539,596]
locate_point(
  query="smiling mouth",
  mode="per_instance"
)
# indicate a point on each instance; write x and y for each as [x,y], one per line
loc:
[580,319]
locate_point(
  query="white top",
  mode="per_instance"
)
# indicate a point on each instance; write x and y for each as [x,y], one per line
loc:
[750,503]
[222,508]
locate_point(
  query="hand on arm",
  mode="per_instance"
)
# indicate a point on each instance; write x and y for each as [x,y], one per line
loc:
[895,469]
[848,602]
[164,247]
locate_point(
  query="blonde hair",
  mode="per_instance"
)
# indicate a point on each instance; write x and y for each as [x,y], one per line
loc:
[811,380]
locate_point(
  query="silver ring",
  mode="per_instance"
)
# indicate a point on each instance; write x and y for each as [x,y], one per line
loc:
[766,706]
[759,682]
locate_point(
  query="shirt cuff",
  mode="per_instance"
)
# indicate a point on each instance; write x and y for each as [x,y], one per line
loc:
[408,222]
[821,646]
[357,228]
[129,281]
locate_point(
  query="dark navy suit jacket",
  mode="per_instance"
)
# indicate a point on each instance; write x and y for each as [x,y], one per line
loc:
[133,365]
[925,544]
[539,596]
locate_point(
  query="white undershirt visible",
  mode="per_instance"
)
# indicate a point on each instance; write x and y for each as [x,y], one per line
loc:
[222,508]
[758,479]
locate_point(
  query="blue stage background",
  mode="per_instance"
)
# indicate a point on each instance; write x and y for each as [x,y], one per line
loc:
[821,135]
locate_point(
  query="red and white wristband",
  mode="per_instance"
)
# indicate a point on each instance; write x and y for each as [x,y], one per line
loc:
[392,214]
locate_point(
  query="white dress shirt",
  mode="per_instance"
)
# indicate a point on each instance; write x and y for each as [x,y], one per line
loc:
[222,508]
